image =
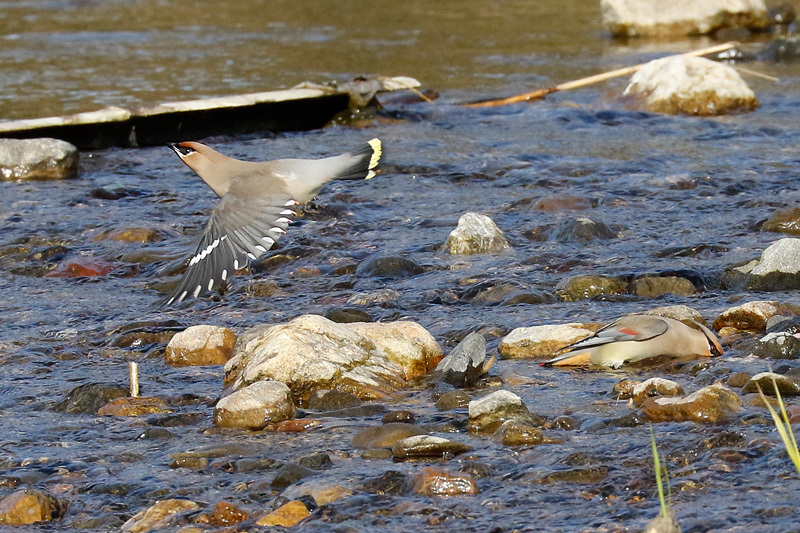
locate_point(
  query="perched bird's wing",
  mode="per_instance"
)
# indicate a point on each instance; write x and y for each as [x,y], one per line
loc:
[304,177]
[638,328]
[628,328]
[243,226]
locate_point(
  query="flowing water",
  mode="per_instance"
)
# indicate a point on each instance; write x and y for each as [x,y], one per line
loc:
[662,182]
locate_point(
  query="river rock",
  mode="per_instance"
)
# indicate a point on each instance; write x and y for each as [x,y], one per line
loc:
[777,269]
[787,386]
[201,345]
[329,400]
[223,514]
[289,474]
[647,18]
[89,398]
[385,436]
[581,230]
[393,267]
[784,221]
[141,235]
[161,516]
[664,523]
[347,315]
[713,404]
[311,353]
[690,86]
[585,286]
[516,433]
[464,365]
[323,492]
[562,202]
[434,481]
[476,234]
[777,345]
[82,267]
[287,515]
[138,406]
[657,286]
[488,413]
[405,343]
[381,297]
[29,506]
[391,482]
[682,313]
[454,399]
[427,446]
[654,387]
[37,159]
[542,341]
[752,316]
[255,406]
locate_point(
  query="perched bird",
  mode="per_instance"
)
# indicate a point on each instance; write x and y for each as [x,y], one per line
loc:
[636,337]
[257,199]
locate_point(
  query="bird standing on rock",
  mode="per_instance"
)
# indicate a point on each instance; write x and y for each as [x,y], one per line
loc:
[256,200]
[636,337]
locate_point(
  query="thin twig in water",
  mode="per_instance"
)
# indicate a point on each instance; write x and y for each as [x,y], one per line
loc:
[583,82]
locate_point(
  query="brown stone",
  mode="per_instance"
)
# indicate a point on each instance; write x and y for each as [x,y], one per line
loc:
[142,235]
[384,436]
[655,387]
[562,202]
[80,266]
[784,221]
[753,316]
[29,506]
[135,407]
[162,515]
[713,404]
[287,515]
[437,482]
[656,286]
[515,433]
[223,514]
[201,345]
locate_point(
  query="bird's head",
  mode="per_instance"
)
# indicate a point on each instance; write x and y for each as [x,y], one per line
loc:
[209,164]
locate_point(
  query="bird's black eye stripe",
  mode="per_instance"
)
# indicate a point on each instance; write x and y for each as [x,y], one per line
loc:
[182,151]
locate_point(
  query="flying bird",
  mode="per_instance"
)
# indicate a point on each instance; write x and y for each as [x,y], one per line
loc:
[257,200]
[636,337]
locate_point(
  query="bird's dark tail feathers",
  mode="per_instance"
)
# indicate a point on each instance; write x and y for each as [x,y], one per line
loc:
[364,162]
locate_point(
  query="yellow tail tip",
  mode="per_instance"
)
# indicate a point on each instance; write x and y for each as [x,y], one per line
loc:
[376,155]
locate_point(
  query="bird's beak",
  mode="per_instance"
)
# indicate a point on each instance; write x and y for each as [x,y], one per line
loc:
[174,147]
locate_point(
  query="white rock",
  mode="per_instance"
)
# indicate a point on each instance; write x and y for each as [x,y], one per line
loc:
[312,352]
[37,159]
[255,406]
[541,341]
[476,234]
[630,18]
[690,86]
[781,256]
[489,412]
[201,345]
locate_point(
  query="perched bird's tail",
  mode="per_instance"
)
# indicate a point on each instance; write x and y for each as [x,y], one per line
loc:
[360,163]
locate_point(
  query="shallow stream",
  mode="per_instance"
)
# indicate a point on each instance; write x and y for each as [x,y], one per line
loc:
[663,183]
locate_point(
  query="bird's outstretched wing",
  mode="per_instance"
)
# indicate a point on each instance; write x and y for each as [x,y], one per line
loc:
[242,227]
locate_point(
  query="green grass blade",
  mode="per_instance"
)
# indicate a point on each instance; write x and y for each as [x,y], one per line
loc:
[784,429]
[657,465]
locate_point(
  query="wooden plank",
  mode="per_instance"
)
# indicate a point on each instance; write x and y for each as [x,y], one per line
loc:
[298,109]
